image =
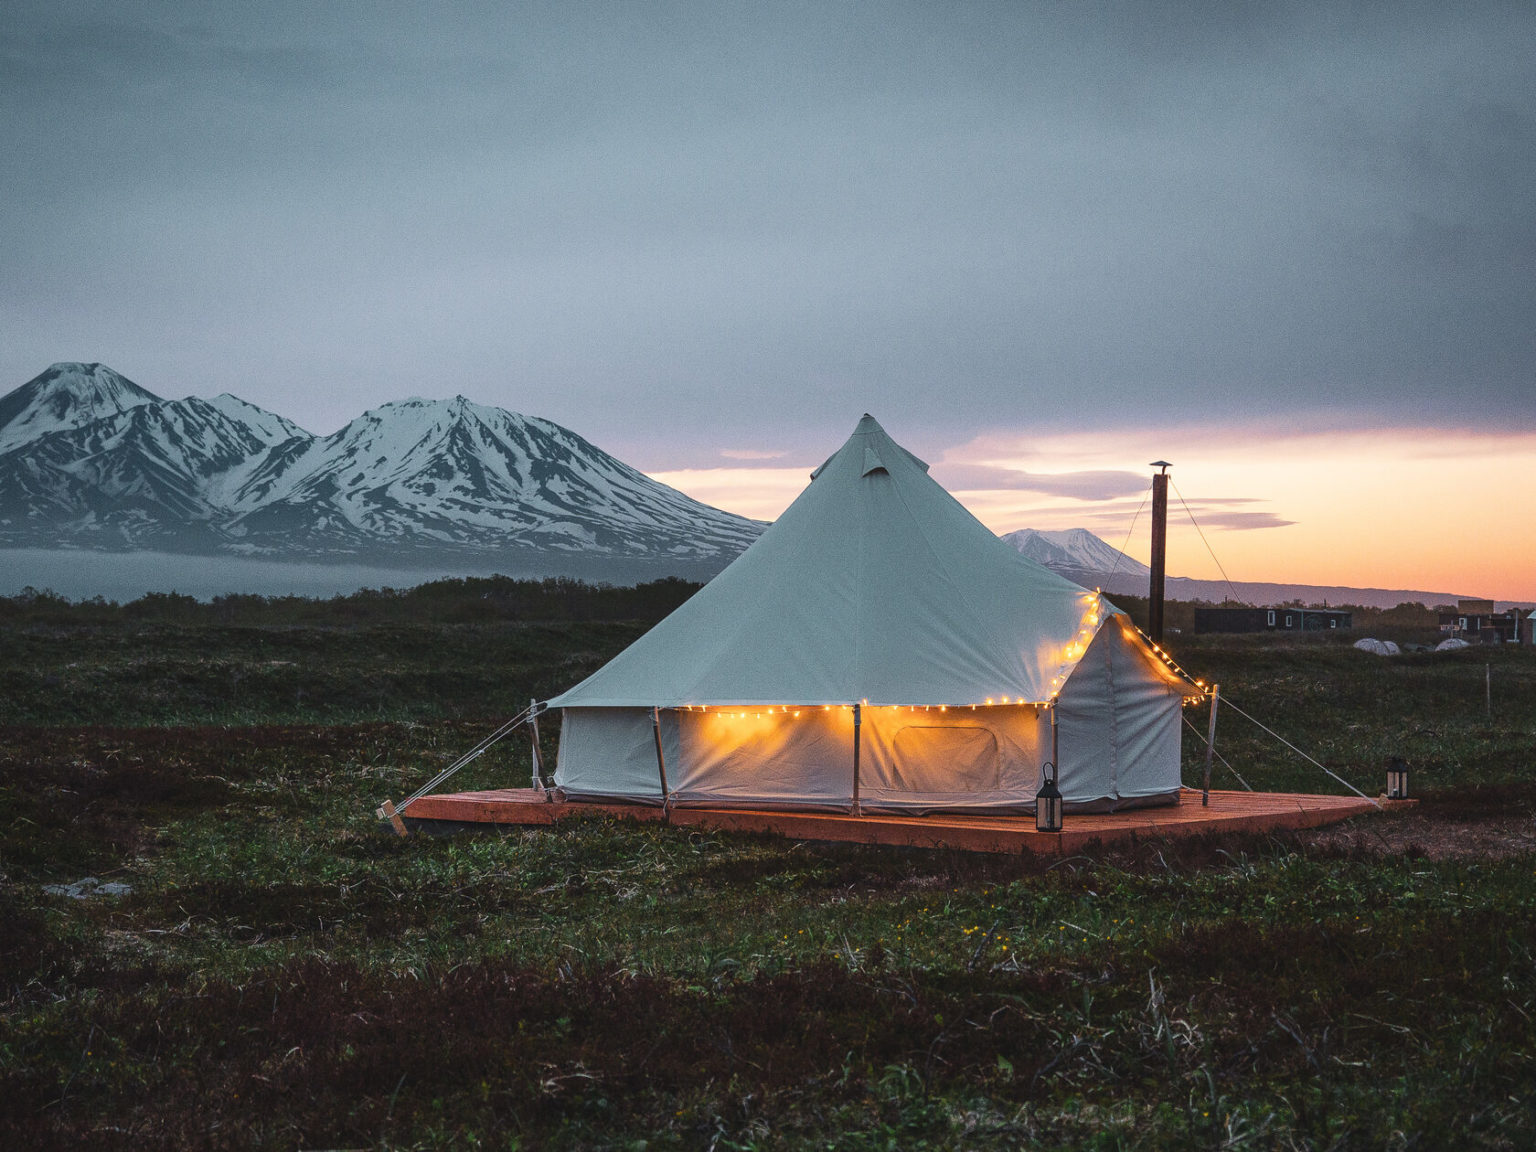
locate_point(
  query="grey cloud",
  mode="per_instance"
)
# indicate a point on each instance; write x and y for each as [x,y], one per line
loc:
[1243,521]
[1208,513]
[677,224]
[1222,501]
[1097,485]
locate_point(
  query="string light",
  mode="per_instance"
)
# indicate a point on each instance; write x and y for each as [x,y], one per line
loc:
[1168,660]
[1071,653]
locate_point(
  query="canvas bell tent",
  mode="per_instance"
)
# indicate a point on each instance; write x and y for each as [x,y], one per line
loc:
[878,647]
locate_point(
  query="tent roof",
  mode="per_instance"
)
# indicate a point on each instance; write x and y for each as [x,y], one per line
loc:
[875,585]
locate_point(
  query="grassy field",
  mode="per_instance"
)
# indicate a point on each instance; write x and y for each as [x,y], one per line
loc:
[281,974]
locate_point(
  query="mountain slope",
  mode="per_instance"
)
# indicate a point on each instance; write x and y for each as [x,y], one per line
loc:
[64,397]
[147,475]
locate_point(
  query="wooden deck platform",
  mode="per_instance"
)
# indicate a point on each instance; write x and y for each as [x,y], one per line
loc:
[1228,812]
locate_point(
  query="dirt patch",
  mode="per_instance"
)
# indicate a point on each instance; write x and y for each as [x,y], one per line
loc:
[1427,833]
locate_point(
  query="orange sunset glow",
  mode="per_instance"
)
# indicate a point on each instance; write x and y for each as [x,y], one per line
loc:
[1411,508]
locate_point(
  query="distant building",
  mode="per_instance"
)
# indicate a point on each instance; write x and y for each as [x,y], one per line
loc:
[1271,619]
[1477,620]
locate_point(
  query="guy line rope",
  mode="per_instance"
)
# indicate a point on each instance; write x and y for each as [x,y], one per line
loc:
[469,757]
[1218,755]
[1226,702]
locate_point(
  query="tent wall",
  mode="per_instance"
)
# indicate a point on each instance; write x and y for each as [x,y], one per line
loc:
[1118,719]
[610,754]
[1118,736]
[983,759]
[761,757]
[911,759]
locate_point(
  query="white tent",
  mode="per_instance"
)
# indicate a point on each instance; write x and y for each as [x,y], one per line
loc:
[878,647]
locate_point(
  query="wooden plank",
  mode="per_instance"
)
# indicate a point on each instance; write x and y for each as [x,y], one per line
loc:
[1229,812]
[517,806]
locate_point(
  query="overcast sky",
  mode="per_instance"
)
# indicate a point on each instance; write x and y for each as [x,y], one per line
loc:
[682,229]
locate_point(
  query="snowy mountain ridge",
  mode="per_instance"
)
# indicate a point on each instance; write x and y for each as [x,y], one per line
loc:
[1074,549]
[88,458]
[1082,557]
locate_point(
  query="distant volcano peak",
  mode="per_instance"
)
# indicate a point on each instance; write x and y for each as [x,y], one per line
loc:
[1075,549]
[65,396]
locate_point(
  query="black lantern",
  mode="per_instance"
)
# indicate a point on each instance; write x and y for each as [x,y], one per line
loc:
[1048,802]
[1397,778]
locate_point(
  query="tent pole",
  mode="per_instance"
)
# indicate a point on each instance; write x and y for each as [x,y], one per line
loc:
[1055,754]
[1210,746]
[661,762]
[858,720]
[538,758]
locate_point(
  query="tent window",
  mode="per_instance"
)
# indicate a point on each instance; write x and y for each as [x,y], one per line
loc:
[946,760]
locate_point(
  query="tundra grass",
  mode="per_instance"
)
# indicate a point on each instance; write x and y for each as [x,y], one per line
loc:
[285,974]
[173,674]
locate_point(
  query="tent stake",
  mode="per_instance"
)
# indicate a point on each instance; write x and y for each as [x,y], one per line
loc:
[661,761]
[1210,746]
[387,812]
[858,720]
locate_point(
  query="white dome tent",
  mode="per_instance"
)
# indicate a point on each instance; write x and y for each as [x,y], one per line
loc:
[879,648]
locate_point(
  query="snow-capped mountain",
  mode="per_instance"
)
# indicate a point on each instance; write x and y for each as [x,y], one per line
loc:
[1074,550]
[118,467]
[151,475]
[451,472]
[1079,555]
[64,397]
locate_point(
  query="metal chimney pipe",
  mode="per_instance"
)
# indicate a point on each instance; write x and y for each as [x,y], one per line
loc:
[1159,550]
